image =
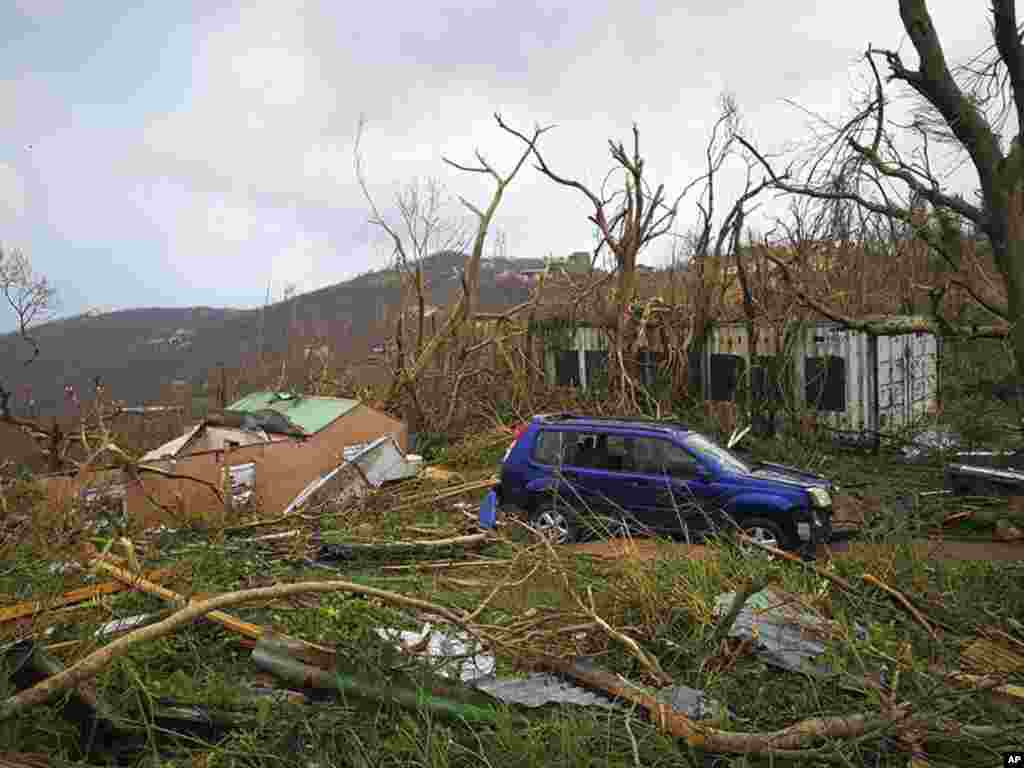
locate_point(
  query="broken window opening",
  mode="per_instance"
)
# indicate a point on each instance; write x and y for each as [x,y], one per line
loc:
[825,383]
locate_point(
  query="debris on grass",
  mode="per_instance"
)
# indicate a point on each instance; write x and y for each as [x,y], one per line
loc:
[440,646]
[784,632]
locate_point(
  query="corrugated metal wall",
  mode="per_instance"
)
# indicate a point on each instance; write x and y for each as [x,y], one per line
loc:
[835,376]
[908,379]
[576,366]
[857,384]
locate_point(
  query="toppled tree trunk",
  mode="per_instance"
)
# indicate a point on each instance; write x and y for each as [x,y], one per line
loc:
[96,661]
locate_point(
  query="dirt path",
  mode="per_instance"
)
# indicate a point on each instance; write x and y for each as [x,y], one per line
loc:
[642,549]
[951,549]
[931,549]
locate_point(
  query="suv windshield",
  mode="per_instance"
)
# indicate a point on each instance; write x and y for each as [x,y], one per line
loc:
[703,447]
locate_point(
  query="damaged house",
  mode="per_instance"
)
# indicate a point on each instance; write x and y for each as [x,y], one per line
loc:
[266,449]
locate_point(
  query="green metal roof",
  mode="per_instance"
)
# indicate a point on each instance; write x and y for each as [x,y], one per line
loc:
[309,413]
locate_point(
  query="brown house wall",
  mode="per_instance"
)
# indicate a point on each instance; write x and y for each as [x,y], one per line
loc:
[283,469]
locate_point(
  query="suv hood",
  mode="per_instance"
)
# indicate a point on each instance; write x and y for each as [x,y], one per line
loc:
[781,473]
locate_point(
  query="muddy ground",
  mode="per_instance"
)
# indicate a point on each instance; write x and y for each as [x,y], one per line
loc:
[931,549]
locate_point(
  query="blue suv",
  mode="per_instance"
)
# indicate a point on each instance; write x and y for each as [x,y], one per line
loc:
[564,470]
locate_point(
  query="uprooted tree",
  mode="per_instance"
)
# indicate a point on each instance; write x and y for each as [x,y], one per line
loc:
[867,162]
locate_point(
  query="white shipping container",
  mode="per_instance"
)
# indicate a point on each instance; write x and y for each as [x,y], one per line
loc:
[857,384]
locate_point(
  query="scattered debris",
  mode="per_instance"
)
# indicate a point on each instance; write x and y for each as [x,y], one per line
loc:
[930,441]
[342,484]
[971,480]
[784,633]
[122,625]
[382,461]
[1007,531]
[441,646]
[539,689]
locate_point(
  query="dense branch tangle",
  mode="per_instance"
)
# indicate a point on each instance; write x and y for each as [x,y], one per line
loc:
[628,220]
[421,224]
[863,165]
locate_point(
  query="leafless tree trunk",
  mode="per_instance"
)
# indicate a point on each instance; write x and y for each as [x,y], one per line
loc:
[31,297]
[423,226]
[628,219]
[711,247]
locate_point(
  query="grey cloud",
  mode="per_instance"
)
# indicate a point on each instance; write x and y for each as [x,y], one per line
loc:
[254,160]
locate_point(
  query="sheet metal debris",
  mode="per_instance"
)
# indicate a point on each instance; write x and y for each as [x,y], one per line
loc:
[471,666]
[537,689]
[123,625]
[785,634]
[365,466]
[382,461]
[930,441]
[341,484]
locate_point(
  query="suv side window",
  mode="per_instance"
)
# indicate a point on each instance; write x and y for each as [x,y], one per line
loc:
[654,456]
[613,453]
[548,448]
[678,462]
[581,449]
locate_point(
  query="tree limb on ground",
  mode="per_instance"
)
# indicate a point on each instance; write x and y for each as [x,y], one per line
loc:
[96,661]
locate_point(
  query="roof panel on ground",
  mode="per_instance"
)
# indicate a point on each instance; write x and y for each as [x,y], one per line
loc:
[309,413]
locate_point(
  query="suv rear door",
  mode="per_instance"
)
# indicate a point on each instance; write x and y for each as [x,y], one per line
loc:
[567,453]
[612,475]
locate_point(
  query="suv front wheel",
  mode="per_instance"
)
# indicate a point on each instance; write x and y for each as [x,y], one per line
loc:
[763,531]
[556,521]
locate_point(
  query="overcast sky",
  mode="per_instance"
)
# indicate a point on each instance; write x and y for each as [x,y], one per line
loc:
[182,153]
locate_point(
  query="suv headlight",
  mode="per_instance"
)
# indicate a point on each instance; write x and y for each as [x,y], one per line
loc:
[819,497]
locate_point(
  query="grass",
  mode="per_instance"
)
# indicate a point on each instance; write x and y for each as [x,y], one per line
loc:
[664,604]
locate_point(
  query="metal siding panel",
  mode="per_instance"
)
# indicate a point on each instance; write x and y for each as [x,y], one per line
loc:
[588,338]
[830,340]
[923,375]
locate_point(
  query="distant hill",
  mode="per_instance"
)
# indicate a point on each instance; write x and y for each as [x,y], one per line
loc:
[137,353]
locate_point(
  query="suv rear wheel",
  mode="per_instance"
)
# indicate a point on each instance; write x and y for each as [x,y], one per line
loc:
[556,521]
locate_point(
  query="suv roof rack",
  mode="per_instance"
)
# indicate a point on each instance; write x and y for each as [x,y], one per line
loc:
[638,420]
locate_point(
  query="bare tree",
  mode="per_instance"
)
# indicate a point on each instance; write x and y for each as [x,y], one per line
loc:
[866,162]
[31,297]
[423,228]
[628,219]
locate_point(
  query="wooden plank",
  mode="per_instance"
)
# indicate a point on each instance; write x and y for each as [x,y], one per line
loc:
[150,588]
[33,607]
[244,628]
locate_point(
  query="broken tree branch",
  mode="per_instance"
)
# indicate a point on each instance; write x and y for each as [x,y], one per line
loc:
[96,661]
[902,599]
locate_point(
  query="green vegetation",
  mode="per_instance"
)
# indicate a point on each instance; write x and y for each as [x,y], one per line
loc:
[664,604]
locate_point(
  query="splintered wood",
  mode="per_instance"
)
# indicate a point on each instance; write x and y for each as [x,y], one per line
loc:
[35,607]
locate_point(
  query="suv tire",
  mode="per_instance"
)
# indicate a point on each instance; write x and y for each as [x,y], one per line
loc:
[556,519]
[766,532]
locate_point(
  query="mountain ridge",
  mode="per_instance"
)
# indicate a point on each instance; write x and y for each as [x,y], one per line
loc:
[138,351]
